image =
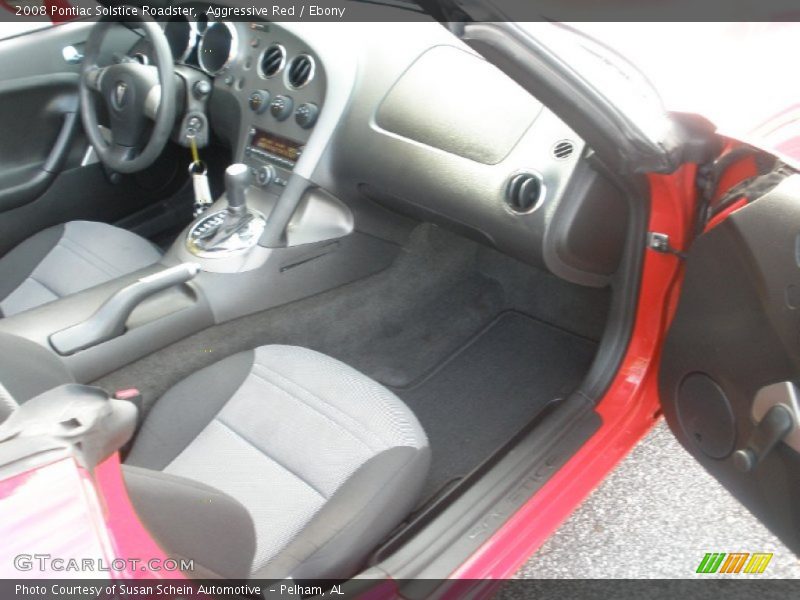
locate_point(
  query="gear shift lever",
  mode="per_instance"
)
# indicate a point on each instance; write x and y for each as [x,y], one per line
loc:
[237,179]
[230,230]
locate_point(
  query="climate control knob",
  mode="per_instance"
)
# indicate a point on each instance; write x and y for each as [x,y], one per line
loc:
[281,107]
[264,175]
[259,101]
[306,115]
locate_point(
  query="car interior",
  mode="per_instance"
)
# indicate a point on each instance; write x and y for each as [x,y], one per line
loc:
[359,276]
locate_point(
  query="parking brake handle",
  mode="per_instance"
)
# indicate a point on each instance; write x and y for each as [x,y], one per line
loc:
[109,320]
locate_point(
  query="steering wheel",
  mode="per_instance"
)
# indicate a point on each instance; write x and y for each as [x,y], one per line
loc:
[134,95]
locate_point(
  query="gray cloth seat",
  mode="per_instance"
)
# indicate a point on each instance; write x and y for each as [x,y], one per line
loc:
[325,461]
[66,259]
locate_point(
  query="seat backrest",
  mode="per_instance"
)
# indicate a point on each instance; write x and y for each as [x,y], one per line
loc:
[27,369]
[194,521]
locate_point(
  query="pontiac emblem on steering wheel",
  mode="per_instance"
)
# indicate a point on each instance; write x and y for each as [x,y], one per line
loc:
[120,94]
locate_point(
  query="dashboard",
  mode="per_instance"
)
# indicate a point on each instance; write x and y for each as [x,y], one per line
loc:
[401,118]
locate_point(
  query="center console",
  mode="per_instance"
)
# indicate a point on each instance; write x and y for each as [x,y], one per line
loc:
[279,86]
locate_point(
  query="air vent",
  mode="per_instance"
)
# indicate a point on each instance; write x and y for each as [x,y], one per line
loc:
[301,71]
[272,60]
[525,192]
[563,149]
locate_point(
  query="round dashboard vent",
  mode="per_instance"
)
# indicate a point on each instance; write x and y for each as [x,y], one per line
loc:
[272,60]
[563,149]
[525,192]
[301,71]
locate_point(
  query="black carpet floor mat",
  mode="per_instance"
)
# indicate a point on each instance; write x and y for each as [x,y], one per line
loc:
[492,387]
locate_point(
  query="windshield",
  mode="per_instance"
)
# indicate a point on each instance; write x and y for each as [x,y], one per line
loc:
[619,81]
[737,75]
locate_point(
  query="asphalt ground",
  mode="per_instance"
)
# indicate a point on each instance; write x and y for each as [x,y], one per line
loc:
[655,516]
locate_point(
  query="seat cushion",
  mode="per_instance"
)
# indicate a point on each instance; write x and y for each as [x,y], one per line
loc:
[68,258]
[325,460]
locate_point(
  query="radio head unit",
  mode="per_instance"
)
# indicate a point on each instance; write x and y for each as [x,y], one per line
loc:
[271,157]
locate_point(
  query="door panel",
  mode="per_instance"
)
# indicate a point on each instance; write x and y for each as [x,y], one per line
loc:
[44,177]
[39,120]
[735,332]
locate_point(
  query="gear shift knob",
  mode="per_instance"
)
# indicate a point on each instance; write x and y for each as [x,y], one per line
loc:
[237,180]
